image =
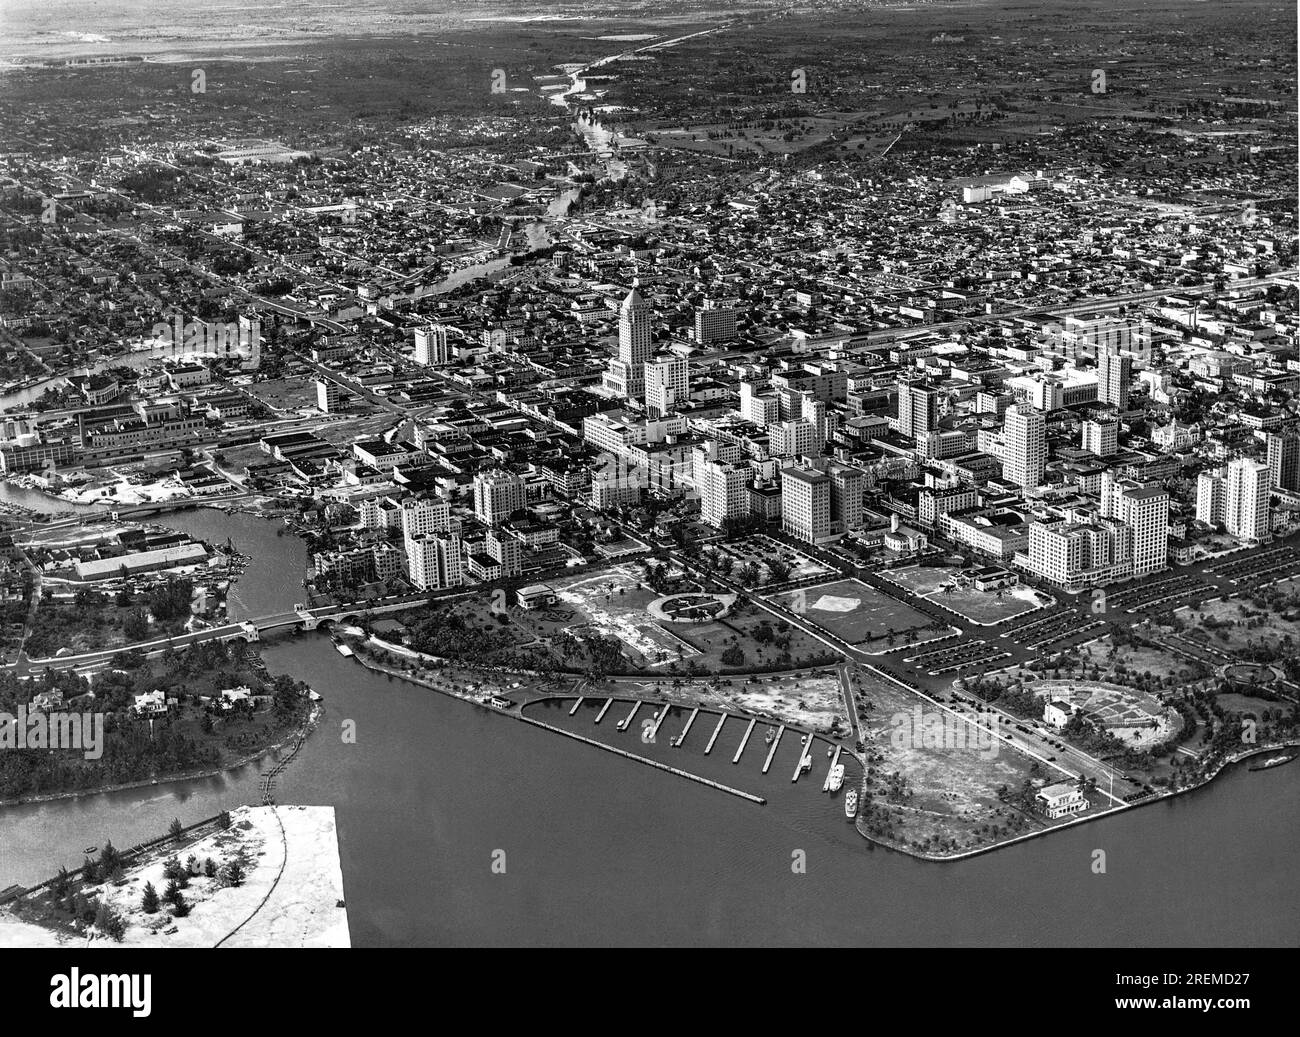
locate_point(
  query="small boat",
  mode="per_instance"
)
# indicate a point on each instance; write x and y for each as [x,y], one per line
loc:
[770,735]
[1273,761]
[837,777]
[90,850]
[851,804]
[806,763]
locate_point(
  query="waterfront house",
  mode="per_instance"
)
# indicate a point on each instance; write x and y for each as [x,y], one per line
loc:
[1061,799]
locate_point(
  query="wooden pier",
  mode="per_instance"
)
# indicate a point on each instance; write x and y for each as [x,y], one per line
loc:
[575,706]
[826,785]
[601,715]
[648,762]
[716,731]
[626,722]
[659,720]
[806,750]
[687,729]
[744,741]
[772,751]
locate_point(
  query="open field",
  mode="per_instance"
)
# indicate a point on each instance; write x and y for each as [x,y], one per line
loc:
[852,610]
[614,602]
[810,702]
[986,608]
[941,798]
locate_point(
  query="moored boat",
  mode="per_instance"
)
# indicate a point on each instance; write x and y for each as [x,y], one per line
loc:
[1273,761]
[837,777]
[851,804]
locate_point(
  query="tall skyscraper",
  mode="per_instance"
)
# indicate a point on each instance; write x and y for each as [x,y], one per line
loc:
[626,374]
[1212,497]
[714,323]
[498,494]
[918,409]
[1100,436]
[1025,434]
[435,560]
[1246,507]
[723,485]
[1284,460]
[1114,372]
[667,384]
[431,347]
[806,503]
[1145,511]
[421,515]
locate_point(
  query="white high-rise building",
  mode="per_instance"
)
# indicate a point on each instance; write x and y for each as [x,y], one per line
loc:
[795,438]
[667,385]
[723,485]
[434,560]
[806,503]
[1145,511]
[498,494]
[715,323]
[626,374]
[1246,508]
[758,403]
[1100,436]
[1114,372]
[431,347]
[1212,497]
[1025,433]
[421,515]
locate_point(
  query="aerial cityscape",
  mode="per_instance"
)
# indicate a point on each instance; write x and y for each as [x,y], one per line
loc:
[703,472]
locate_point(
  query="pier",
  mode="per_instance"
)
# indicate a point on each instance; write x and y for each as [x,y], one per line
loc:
[659,720]
[826,785]
[806,750]
[626,722]
[575,706]
[772,750]
[687,729]
[716,731]
[601,715]
[648,762]
[744,741]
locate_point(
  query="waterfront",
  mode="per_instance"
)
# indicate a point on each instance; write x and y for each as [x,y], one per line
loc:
[602,850]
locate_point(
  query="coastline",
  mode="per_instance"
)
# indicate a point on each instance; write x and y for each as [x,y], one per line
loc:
[304,731]
[1227,761]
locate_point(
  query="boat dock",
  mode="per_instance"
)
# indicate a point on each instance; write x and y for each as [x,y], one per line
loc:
[772,751]
[804,750]
[575,706]
[659,720]
[826,785]
[642,759]
[626,722]
[601,715]
[744,741]
[716,731]
[687,729]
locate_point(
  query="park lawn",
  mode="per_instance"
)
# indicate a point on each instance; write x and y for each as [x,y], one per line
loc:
[740,630]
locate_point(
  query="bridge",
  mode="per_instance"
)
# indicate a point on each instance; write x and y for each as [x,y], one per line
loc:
[247,630]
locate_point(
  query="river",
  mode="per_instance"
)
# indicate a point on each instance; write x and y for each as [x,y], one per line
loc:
[602,850]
